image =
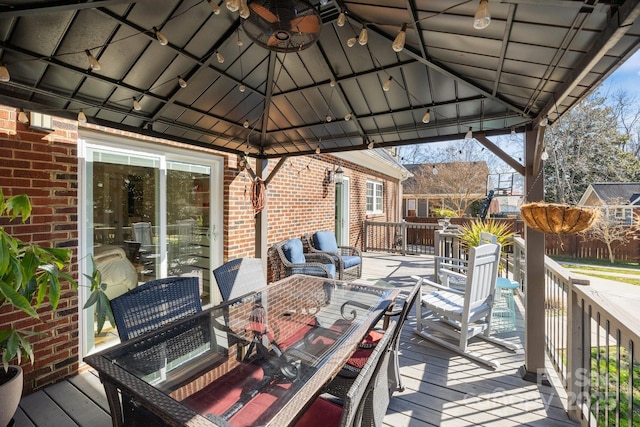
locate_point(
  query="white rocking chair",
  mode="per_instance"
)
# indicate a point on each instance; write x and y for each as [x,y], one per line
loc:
[463,314]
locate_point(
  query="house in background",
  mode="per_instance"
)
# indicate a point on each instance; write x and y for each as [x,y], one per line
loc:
[434,186]
[90,184]
[621,199]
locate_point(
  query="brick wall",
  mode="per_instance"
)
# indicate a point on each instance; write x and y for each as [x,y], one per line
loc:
[44,166]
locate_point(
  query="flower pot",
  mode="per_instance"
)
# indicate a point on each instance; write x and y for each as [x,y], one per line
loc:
[552,218]
[10,393]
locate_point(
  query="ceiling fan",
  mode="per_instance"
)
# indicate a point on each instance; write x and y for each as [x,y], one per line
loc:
[283,25]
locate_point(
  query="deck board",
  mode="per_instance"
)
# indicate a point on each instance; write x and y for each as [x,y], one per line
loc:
[442,388]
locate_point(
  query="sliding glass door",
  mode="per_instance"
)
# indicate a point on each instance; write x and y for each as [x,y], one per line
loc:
[147,216]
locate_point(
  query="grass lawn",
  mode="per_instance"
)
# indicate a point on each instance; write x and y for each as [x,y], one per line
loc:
[620,272]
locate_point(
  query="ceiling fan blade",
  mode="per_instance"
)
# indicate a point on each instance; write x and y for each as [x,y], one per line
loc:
[305,24]
[264,13]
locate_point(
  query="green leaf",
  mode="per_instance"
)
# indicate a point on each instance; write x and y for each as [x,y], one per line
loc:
[18,206]
[17,300]
[4,253]
[93,298]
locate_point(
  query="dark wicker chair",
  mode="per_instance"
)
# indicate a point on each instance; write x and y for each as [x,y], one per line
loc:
[347,259]
[343,381]
[287,258]
[155,304]
[366,401]
[239,277]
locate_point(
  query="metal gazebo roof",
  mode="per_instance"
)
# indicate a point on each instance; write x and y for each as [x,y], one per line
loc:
[534,61]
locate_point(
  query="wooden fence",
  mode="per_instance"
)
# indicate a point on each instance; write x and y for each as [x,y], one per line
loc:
[416,235]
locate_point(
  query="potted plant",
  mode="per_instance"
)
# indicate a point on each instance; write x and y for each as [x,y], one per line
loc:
[28,274]
[470,233]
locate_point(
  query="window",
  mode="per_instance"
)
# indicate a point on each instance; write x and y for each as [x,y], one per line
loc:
[374,197]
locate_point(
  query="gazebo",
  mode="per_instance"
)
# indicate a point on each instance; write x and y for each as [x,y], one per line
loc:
[270,79]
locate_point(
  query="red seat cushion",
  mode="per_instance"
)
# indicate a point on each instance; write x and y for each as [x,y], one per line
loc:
[218,396]
[372,339]
[321,413]
[252,410]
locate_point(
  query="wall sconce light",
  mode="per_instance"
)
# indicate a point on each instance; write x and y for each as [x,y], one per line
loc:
[339,175]
[328,176]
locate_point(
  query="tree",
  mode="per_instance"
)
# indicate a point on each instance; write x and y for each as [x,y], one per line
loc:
[586,146]
[608,229]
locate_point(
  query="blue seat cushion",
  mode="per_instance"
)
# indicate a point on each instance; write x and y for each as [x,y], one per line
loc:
[294,252]
[351,260]
[313,270]
[325,241]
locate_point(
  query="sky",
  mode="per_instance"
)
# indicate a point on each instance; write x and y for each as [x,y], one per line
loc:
[626,77]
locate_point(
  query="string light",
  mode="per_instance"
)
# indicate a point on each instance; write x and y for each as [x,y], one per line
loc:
[82,118]
[136,105]
[214,6]
[161,37]
[22,117]
[182,82]
[427,116]
[242,87]
[469,133]
[352,42]
[4,73]
[328,118]
[93,62]
[347,117]
[434,170]
[332,83]
[513,131]
[342,19]
[219,57]
[246,124]
[363,38]
[482,18]
[398,43]
[244,9]
[232,5]
[544,156]
[371,144]
[318,149]
[544,122]
[387,85]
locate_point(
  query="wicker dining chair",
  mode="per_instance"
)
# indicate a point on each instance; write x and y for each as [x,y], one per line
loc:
[154,304]
[366,401]
[239,277]
[340,385]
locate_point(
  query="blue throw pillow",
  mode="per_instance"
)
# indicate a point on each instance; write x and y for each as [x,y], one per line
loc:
[325,241]
[293,251]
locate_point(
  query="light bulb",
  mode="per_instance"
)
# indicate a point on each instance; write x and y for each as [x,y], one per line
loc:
[398,43]
[219,57]
[387,85]
[544,156]
[482,18]
[214,6]
[513,131]
[4,73]
[232,5]
[363,38]
[161,37]
[371,145]
[93,62]
[469,133]
[246,124]
[544,122]
[351,42]
[347,117]
[239,42]
[427,116]
[328,118]
[324,2]
[82,118]
[182,82]
[244,9]
[342,19]
[318,149]
[434,170]
[136,105]
[242,87]
[332,83]
[22,117]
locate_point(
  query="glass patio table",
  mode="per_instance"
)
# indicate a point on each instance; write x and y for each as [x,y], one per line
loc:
[257,360]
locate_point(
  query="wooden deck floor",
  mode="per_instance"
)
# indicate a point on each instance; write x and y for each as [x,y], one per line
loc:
[441,388]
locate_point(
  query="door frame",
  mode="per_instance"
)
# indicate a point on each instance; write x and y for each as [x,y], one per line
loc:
[341,216]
